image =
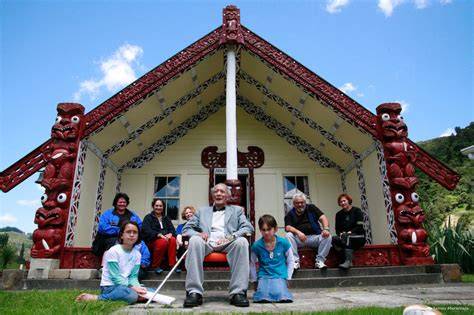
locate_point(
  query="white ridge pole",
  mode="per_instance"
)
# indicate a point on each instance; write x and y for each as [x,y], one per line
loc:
[230,114]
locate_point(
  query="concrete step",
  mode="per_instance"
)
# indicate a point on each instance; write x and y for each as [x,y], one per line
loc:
[316,273]
[331,277]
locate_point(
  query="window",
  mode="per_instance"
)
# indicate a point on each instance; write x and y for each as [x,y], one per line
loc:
[292,185]
[167,189]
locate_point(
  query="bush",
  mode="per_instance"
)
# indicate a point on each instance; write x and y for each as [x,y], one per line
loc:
[7,256]
[452,244]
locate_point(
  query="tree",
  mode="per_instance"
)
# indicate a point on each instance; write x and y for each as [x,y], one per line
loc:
[8,255]
[4,239]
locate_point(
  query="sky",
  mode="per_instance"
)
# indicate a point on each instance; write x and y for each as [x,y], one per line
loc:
[415,52]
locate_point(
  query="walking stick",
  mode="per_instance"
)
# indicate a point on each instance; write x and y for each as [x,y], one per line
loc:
[166,278]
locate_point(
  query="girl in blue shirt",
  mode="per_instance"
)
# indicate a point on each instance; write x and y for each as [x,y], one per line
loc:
[275,264]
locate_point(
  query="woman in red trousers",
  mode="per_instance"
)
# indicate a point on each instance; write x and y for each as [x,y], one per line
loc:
[159,234]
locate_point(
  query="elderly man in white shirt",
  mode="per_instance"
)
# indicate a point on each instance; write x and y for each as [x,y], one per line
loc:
[220,228]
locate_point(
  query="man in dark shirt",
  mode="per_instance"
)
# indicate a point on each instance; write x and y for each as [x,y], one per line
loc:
[302,224]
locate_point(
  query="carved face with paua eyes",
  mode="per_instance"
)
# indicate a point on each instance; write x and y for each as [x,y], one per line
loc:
[391,123]
[68,122]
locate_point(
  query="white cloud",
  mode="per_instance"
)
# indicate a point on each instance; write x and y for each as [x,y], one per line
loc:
[421,4]
[348,87]
[334,6]
[28,203]
[117,72]
[8,218]
[360,94]
[40,188]
[387,6]
[448,132]
[404,105]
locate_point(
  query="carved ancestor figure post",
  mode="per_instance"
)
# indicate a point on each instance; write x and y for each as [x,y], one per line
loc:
[60,156]
[400,158]
[231,31]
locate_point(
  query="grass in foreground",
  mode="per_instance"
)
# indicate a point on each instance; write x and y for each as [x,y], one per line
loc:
[62,302]
[467,278]
[53,302]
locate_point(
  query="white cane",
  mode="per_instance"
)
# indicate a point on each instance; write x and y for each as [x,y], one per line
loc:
[166,278]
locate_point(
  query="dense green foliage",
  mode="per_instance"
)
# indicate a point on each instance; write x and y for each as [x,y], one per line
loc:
[7,252]
[437,201]
[14,249]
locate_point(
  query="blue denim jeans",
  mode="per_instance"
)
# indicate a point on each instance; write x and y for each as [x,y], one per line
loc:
[118,293]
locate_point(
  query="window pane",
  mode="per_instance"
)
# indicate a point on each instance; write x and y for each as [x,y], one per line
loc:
[172,188]
[172,208]
[302,184]
[291,186]
[289,183]
[161,187]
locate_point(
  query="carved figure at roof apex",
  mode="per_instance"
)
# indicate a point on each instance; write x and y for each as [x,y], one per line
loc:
[231,31]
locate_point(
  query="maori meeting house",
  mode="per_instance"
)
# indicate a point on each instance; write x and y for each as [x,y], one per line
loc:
[233,108]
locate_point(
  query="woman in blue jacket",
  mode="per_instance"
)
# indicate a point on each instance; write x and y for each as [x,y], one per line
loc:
[110,222]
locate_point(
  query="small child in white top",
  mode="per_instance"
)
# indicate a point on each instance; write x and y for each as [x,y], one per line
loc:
[120,273]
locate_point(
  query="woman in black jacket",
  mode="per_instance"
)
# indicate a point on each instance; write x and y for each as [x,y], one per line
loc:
[349,229]
[159,234]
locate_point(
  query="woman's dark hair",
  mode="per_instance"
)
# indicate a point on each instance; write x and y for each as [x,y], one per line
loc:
[348,197]
[118,196]
[162,202]
[122,230]
[267,219]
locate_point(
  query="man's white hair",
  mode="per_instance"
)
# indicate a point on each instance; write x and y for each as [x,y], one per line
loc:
[227,189]
[299,195]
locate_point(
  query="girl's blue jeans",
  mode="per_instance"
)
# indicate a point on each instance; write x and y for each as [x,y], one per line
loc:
[118,293]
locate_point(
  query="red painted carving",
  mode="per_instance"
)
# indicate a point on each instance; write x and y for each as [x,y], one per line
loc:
[254,158]
[231,30]
[60,155]
[24,168]
[400,157]
[369,255]
[434,168]
[235,191]
[252,200]
[79,258]
[51,218]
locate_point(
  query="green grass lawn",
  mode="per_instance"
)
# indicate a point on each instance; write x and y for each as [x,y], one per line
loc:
[63,302]
[53,302]
[467,278]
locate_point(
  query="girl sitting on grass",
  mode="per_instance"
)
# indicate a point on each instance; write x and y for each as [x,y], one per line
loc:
[120,273]
[275,264]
